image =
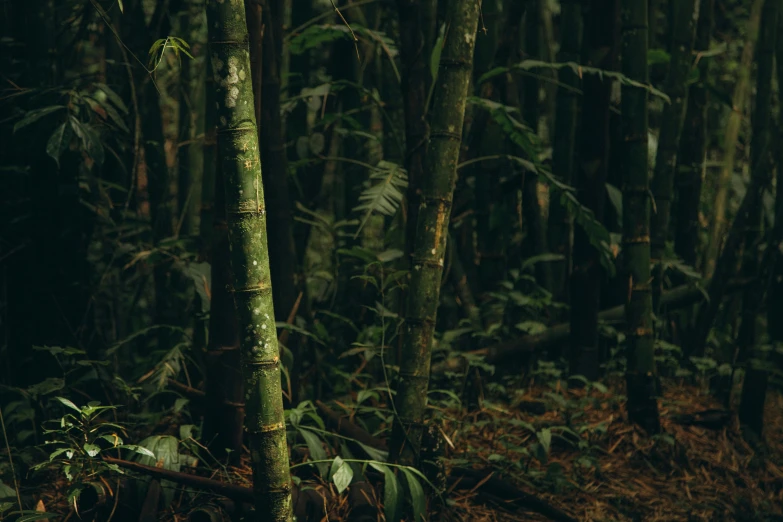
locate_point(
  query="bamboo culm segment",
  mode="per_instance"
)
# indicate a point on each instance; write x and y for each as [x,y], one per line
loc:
[238,156]
[686,15]
[693,148]
[642,405]
[429,249]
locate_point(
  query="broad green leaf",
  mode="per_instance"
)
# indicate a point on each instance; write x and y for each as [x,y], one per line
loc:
[374,453]
[657,56]
[91,449]
[68,403]
[50,385]
[6,492]
[141,450]
[59,141]
[113,97]
[36,115]
[115,116]
[341,473]
[391,492]
[418,500]
[90,140]
[545,439]
[542,258]
[616,198]
[437,50]
[317,451]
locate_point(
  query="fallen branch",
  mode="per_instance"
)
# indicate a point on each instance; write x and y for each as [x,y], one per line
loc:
[495,488]
[676,298]
[308,504]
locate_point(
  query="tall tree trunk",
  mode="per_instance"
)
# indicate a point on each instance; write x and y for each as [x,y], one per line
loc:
[429,251]
[642,404]
[240,164]
[561,224]
[599,51]
[531,208]
[223,380]
[761,160]
[738,102]
[686,15]
[417,22]
[494,46]
[693,148]
[775,292]
[282,259]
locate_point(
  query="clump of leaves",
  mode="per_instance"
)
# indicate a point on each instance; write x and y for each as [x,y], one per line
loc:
[80,437]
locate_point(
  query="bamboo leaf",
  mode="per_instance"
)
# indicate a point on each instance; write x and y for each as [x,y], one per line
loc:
[317,451]
[391,492]
[69,404]
[342,474]
[543,258]
[113,97]
[36,115]
[418,500]
[578,69]
[59,141]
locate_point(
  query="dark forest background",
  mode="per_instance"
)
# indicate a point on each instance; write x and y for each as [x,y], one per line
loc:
[374,259]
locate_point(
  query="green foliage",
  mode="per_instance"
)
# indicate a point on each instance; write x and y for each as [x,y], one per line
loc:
[80,437]
[525,139]
[384,194]
[527,65]
[159,47]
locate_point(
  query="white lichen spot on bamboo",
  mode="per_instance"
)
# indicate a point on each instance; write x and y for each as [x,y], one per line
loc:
[229,83]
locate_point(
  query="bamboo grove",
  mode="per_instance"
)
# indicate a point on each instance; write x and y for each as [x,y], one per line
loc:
[276,260]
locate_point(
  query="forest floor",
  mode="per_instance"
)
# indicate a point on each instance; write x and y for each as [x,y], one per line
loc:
[580,457]
[689,472]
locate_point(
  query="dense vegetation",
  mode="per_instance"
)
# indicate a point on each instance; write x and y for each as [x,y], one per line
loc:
[414,260]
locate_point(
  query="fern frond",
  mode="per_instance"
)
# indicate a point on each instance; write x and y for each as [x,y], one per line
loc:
[384,194]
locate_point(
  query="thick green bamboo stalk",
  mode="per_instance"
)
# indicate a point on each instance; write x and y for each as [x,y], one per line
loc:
[642,405]
[762,155]
[600,50]
[775,290]
[416,22]
[693,148]
[561,223]
[531,110]
[240,164]
[437,191]
[738,101]
[761,163]
[686,15]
